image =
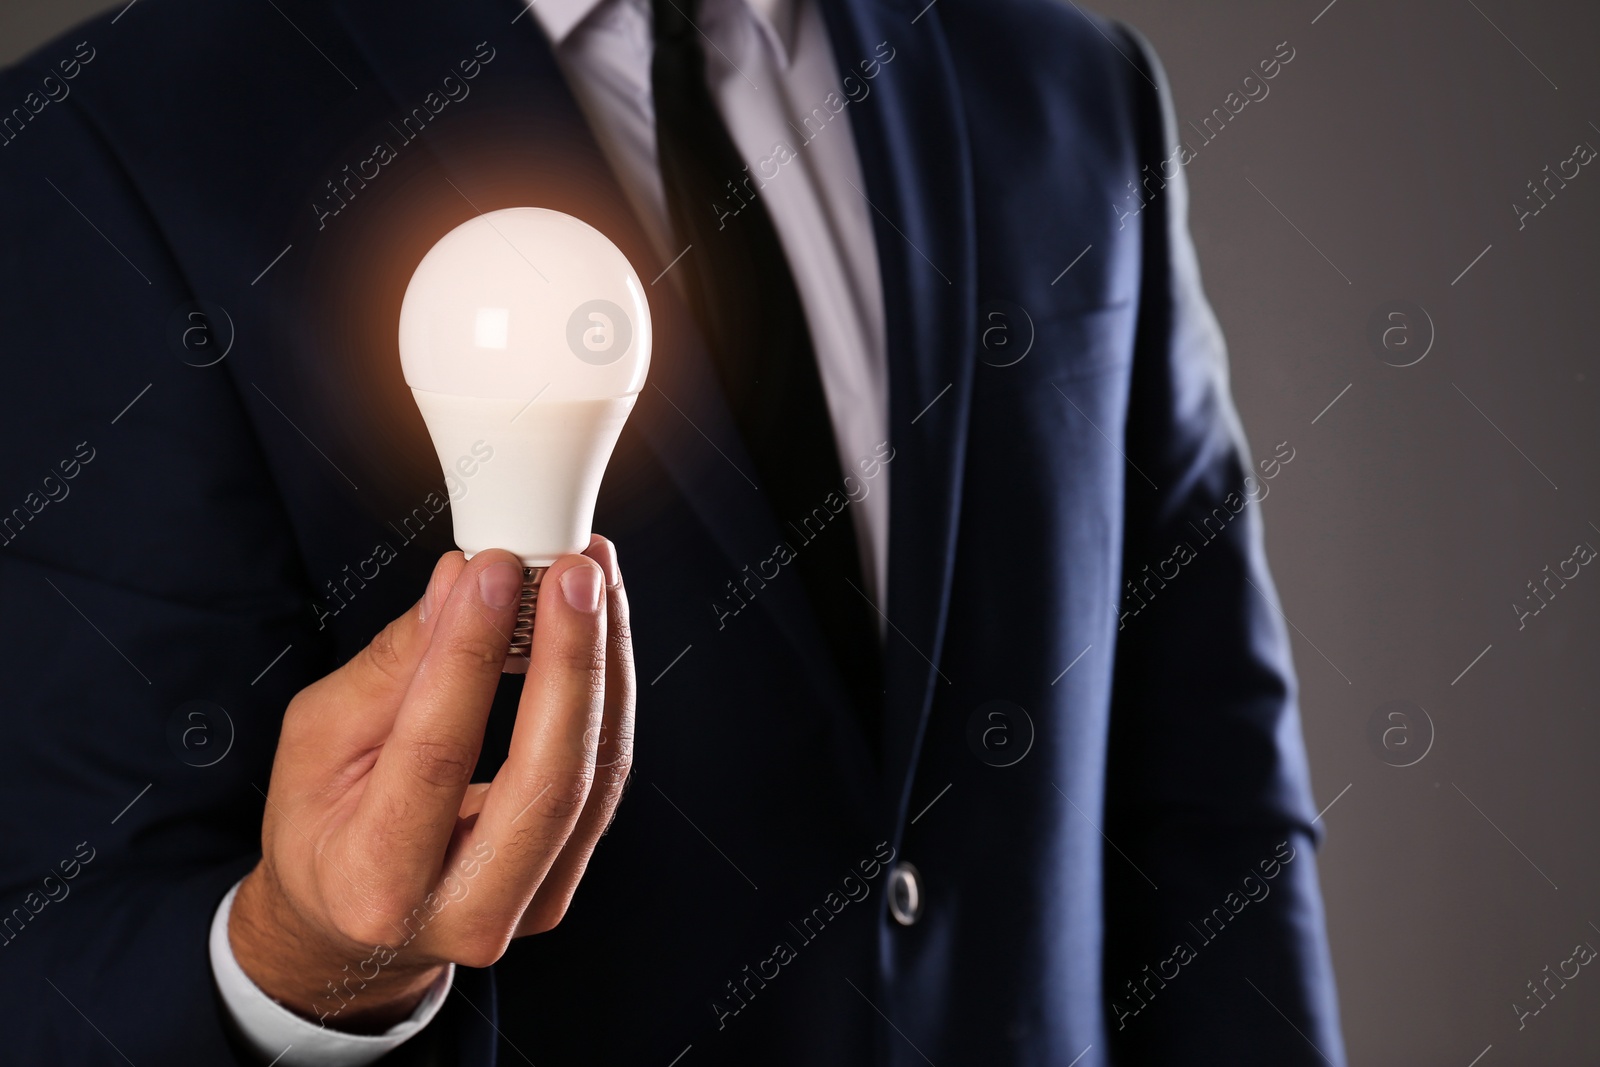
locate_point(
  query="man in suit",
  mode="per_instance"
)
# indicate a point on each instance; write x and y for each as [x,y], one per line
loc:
[967,727]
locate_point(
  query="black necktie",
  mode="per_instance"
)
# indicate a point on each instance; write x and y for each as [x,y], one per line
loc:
[744,299]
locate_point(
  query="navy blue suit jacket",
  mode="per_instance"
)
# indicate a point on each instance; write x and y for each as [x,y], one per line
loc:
[216,489]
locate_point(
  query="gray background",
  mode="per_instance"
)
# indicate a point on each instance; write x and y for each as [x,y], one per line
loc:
[1384,160]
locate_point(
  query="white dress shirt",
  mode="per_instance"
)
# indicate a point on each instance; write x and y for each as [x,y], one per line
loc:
[774,78]
[772,74]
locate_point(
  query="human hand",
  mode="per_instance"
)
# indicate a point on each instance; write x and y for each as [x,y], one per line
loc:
[380,862]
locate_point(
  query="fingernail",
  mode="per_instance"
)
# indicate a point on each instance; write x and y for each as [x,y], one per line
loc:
[499,584]
[581,587]
[605,554]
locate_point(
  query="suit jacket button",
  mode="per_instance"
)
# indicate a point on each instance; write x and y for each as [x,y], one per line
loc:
[905,893]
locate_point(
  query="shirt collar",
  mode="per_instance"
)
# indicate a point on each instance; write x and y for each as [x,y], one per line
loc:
[774,18]
[560,17]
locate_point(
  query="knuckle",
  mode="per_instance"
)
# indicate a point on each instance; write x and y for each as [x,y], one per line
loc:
[613,761]
[418,917]
[581,653]
[543,917]
[441,763]
[367,921]
[302,706]
[382,654]
[615,756]
[611,783]
[567,795]
[479,948]
[477,956]
[478,650]
[616,769]
[562,795]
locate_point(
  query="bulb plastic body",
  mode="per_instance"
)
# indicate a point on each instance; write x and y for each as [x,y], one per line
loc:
[525,336]
[533,477]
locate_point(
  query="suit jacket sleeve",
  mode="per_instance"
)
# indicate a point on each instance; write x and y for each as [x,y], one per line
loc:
[1209,793]
[149,576]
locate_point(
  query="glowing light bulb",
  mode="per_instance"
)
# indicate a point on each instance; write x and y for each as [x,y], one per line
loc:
[525,337]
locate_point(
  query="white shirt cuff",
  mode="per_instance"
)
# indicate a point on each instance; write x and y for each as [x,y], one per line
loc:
[281,1037]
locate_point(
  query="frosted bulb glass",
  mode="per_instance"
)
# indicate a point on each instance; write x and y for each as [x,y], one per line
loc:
[525,338]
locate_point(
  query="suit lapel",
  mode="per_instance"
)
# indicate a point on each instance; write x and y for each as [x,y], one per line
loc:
[910,136]
[520,139]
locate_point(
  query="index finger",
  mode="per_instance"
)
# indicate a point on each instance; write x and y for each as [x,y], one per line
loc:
[407,812]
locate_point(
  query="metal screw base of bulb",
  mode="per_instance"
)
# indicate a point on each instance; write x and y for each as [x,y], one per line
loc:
[517,657]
